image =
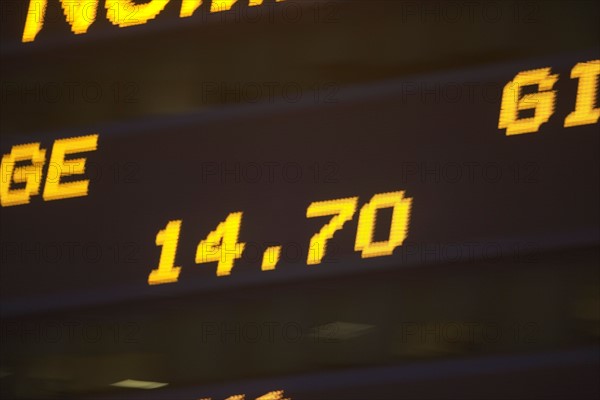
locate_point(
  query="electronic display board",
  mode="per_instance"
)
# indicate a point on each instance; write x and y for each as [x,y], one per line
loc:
[371,180]
[283,200]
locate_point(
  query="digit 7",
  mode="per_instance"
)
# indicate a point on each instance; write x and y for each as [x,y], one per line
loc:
[343,209]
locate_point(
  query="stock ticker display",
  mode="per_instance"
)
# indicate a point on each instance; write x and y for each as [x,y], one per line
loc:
[396,176]
[361,207]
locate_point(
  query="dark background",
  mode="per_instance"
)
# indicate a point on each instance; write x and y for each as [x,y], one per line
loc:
[377,112]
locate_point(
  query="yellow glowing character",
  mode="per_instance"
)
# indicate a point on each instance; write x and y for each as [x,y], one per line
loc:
[344,208]
[188,7]
[221,245]
[80,14]
[587,92]
[368,219]
[221,5]
[59,167]
[168,238]
[276,395]
[128,13]
[542,102]
[30,175]
[224,5]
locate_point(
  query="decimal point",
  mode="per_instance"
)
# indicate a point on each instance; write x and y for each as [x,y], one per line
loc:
[270,258]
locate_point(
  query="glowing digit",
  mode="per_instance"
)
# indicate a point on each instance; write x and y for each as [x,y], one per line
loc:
[541,102]
[344,208]
[30,175]
[222,242]
[585,113]
[167,272]
[368,219]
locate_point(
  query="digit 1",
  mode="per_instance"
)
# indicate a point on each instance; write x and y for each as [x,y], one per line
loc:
[585,113]
[168,238]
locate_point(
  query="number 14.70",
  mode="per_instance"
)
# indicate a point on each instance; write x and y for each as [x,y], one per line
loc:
[222,246]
